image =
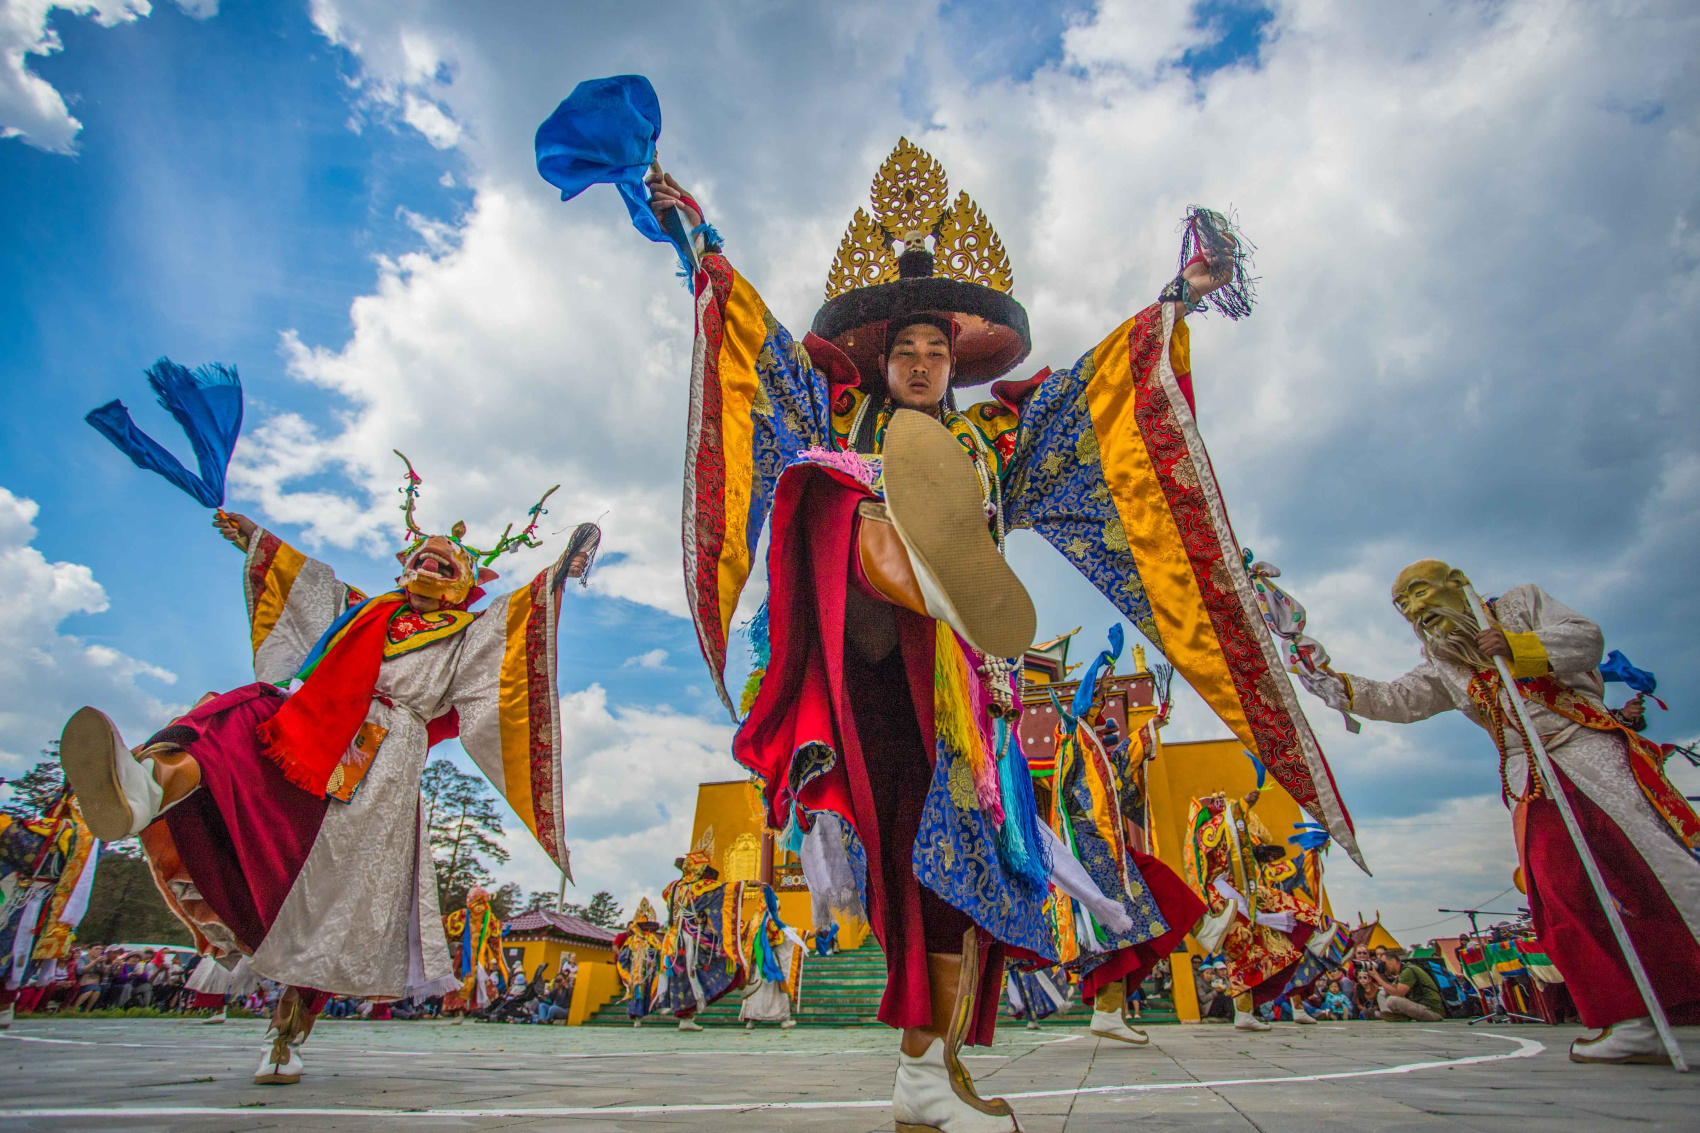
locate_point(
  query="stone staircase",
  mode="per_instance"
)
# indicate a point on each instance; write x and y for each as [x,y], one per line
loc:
[844,991]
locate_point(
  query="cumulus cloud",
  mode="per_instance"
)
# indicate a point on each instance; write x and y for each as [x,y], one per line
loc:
[47,673]
[1474,341]
[30,108]
[654,659]
[631,776]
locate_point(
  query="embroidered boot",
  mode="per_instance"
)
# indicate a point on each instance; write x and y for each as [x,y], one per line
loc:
[923,1100]
[222,1015]
[1108,1022]
[689,1024]
[1244,1020]
[120,792]
[935,501]
[281,1063]
[1633,1040]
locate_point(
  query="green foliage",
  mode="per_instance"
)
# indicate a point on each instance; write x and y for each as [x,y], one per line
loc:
[539,899]
[124,904]
[603,910]
[505,901]
[36,789]
[462,824]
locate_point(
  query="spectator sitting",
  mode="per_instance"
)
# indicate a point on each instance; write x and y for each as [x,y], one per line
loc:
[1335,1005]
[1407,992]
[90,976]
[556,1004]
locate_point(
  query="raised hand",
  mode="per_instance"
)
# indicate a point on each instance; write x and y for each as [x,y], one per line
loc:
[234,527]
[666,193]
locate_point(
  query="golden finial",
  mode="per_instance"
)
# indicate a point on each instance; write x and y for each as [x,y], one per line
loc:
[864,257]
[908,196]
[909,192]
[968,248]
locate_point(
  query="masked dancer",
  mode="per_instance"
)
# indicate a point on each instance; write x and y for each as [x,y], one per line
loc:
[1643,834]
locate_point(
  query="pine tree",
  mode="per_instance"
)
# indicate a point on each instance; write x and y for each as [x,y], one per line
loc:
[38,788]
[505,901]
[603,910]
[540,899]
[462,825]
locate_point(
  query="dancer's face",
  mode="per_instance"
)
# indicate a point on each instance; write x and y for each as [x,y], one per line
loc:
[917,372]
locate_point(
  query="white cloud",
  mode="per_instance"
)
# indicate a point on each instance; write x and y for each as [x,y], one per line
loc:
[631,778]
[48,674]
[30,108]
[428,118]
[1456,856]
[654,659]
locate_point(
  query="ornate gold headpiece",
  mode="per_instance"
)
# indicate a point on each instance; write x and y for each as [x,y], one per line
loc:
[909,196]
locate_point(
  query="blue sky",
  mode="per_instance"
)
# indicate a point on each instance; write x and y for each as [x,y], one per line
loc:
[1476,233]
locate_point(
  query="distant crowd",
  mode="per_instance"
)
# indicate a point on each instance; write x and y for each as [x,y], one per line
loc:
[1379,983]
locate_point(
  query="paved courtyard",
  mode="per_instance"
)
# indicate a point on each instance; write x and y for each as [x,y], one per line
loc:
[164,1074]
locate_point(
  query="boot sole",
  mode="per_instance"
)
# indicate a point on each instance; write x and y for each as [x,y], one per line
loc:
[276,1079]
[1117,1038]
[88,749]
[1626,1060]
[933,494]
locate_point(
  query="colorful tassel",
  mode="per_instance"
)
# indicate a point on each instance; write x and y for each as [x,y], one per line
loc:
[1215,236]
[1019,846]
[957,711]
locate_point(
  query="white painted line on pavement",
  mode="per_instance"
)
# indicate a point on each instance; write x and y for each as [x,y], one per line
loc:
[1526,1048]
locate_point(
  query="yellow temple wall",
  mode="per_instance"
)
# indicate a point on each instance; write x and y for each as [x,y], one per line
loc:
[1189,769]
[732,809]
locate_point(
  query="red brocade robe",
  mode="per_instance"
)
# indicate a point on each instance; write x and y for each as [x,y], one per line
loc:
[1103,459]
[341,896]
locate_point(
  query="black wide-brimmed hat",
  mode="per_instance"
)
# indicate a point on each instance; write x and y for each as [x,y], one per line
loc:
[874,291]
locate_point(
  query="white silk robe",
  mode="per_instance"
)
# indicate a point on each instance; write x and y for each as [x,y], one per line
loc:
[362,916]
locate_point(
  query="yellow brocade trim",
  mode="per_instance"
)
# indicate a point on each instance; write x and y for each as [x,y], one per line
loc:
[280,577]
[514,711]
[1154,539]
[742,346]
[1528,656]
[1180,348]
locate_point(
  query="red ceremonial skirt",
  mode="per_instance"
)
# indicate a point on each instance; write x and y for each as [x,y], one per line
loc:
[1573,927]
[877,717]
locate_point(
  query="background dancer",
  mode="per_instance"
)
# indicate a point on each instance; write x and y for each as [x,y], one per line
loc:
[293,830]
[1093,799]
[1643,833]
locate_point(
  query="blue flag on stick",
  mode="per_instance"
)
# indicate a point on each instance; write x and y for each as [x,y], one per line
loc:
[208,405]
[604,133]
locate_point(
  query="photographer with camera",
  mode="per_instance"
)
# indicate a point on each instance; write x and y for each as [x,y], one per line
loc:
[1406,991]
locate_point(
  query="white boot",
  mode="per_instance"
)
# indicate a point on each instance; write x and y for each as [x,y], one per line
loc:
[637,1022]
[1633,1040]
[787,1024]
[1300,1015]
[280,1065]
[1111,1025]
[1032,1024]
[922,1100]
[689,1025]
[6,1017]
[222,1015]
[1246,1021]
[117,795]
